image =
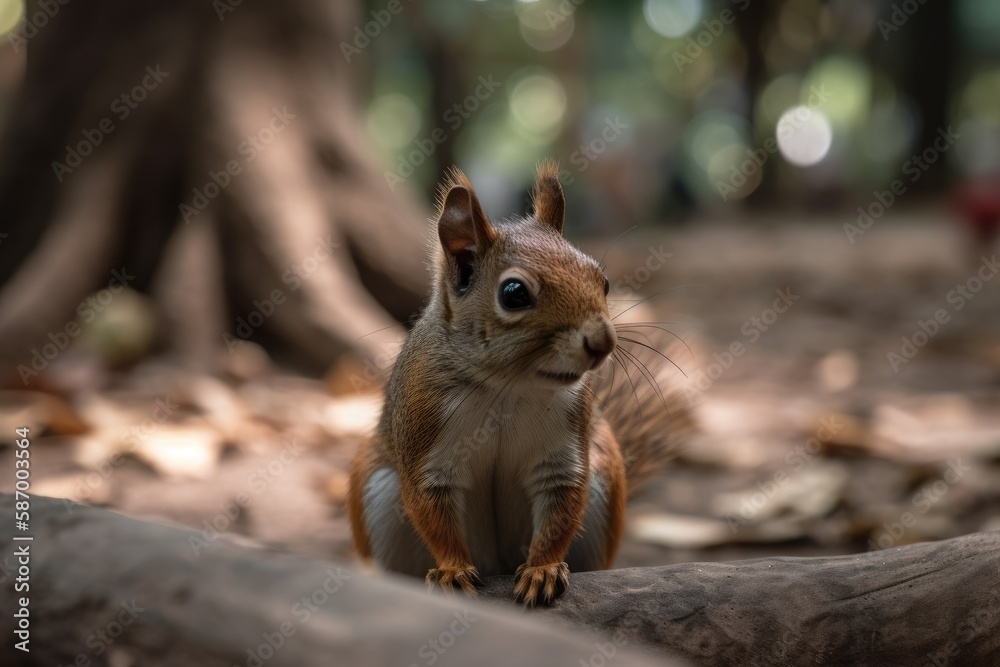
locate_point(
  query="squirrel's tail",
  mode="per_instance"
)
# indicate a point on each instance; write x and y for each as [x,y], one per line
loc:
[644,396]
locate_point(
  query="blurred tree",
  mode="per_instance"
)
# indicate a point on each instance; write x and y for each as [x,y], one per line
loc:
[928,77]
[750,22]
[214,150]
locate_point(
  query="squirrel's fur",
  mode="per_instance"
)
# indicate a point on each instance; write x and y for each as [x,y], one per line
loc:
[493,453]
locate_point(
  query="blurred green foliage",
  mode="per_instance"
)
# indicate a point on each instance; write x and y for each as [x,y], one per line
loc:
[658,108]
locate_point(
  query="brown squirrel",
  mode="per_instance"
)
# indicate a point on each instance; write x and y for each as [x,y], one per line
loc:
[493,454]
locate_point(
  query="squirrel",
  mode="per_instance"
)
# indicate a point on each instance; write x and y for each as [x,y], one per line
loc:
[493,454]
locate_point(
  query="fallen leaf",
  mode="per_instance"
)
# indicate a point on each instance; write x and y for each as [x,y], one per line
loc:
[679,531]
[185,451]
[352,416]
[92,488]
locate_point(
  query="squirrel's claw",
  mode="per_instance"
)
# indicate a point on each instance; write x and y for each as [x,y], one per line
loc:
[540,583]
[448,579]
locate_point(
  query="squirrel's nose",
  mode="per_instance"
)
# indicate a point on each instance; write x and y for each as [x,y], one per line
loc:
[599,345]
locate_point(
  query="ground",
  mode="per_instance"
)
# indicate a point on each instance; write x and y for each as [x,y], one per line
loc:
[822,430]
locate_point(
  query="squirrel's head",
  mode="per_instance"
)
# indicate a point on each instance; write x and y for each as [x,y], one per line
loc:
[516,297]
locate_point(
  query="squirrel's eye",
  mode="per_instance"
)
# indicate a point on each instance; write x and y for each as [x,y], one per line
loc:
[514,295]
[607,286]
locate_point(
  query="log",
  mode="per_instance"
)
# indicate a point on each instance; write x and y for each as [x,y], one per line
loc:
[934,603]
[210,601]
[110,590]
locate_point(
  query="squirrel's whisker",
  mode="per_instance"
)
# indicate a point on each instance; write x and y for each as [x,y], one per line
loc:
[653,349]
[611,245]
[653,296]
[649,377]
[636,324]
[628,376]
[391,326]
[653,326]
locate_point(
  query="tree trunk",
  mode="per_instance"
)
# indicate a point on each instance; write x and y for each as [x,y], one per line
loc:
[214,150]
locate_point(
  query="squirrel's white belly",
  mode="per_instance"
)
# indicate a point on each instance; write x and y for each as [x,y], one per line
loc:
[503,458]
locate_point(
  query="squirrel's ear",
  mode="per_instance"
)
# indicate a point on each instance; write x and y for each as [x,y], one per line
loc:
[463,228]
[549,202]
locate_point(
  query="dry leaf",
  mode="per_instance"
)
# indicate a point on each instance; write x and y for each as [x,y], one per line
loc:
[352,417]
[680,532]
[187,451]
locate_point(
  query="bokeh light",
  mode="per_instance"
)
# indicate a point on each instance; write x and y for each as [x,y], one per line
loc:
[686,81]
[672,18]
[715,143]
[981,97]
[714,131]
[393,121]
[11,12]
[804,135]
[537,102]
[734,172]
[843,84]
[545,25]
[778,95]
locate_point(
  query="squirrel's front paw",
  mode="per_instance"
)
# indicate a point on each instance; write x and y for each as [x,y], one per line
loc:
[449,578]
[540,583]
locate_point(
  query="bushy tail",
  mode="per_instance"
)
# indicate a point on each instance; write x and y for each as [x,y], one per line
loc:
[645,398]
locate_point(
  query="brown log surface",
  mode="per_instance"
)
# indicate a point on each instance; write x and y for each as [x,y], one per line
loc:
[213,606]
[933,603]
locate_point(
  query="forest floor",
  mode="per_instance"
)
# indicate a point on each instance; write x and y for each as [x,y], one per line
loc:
[814,439]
